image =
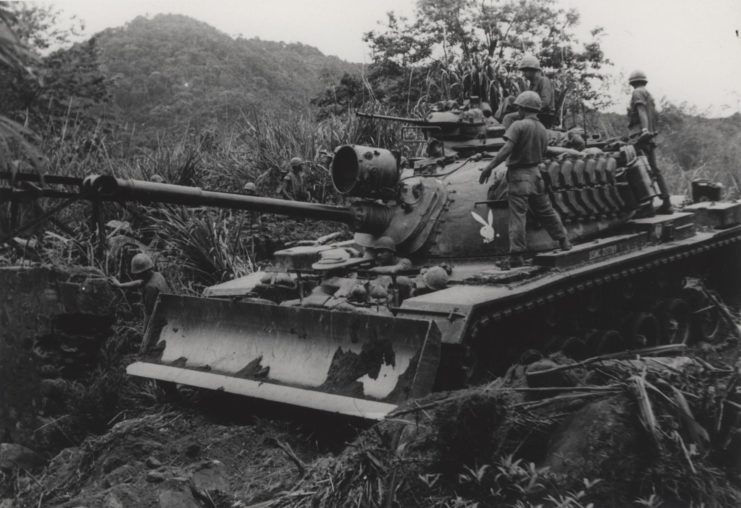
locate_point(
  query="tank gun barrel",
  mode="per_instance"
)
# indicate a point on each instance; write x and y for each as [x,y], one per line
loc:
[109,188]
[415,121]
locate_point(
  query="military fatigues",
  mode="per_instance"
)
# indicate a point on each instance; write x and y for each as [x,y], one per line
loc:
[525,185]
[294,185]
[544,88]
[641,96]
[547,114]
[150,291]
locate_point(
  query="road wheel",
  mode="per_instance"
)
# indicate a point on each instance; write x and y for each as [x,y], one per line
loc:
[674,317]
[604,342]
[705,320]
[641,330]
[576,348]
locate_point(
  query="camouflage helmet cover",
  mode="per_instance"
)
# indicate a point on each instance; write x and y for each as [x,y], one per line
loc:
[435,278]
[529,100]
[529,62]
[141,263]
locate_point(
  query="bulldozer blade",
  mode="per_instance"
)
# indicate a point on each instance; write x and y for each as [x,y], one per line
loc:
[345,362]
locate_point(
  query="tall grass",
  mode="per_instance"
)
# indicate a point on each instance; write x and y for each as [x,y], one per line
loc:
[198,247]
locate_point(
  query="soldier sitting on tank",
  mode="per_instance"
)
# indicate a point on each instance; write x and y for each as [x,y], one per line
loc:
[383,251]
[530,67]
[642,130]
[526,143]
[575,140]
[151,283]
[293,185]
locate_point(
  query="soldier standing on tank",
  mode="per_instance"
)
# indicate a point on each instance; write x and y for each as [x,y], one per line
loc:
[293,185]
[151,283]
[642,130]
[526,143]
[530,67]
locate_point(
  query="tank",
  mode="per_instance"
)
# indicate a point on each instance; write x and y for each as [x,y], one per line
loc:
[462,128]
[323,329]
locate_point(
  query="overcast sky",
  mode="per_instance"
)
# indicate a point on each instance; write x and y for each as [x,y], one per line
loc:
[690,49]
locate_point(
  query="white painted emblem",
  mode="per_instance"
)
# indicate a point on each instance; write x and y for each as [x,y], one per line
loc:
[487,231]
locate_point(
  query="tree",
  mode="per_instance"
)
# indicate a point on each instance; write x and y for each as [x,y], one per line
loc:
[454,49]
[54,86]
[15,58]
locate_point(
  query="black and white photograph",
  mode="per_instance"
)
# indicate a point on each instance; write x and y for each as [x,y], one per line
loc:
[370,253]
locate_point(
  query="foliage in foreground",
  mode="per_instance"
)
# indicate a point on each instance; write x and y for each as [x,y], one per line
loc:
[641,430]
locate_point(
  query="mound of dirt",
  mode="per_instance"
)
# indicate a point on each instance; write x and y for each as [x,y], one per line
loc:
[172,459]
[610,431]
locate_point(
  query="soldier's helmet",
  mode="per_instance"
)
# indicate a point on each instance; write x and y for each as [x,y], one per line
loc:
[529,100]
[156,179]
[435,278]
[384,243]
[296,162]
[358,294]
[637,76]
[529,62]
[378,292]
[141,263]
[249,187]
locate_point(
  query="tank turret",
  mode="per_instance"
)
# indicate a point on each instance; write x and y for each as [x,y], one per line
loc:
[465,128]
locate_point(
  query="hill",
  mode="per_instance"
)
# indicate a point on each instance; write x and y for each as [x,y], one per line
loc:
[172,70]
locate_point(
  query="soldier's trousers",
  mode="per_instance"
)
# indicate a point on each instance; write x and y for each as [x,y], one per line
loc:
[527,190]
[649,149]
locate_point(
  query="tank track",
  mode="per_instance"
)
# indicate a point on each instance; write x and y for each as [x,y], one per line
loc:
[624,303]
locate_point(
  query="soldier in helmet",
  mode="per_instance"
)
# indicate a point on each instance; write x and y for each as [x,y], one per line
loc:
[293,185]
[249,189]
[151,283]
[642,130]
[530,67]
[156,179]
[432,279]
[526,143]
[383,251]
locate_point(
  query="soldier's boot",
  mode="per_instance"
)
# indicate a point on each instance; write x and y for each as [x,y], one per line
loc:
[565,244]
[666,208]
[511,261]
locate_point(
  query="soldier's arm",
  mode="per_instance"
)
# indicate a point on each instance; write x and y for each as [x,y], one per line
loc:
[401,265]
[643,116]
[546,94]
[125,285]
[283,190]
[500,157]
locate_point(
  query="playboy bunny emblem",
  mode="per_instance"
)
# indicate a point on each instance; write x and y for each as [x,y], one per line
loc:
[487,231]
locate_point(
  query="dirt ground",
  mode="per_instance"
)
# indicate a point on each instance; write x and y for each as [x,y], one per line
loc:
[658,429]
[174,456]
[496,445]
